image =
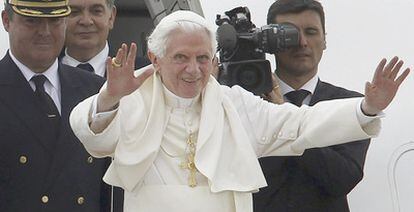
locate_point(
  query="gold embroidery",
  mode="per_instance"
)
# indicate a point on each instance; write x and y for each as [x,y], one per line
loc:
[54,12]
[35,12]
[47,3]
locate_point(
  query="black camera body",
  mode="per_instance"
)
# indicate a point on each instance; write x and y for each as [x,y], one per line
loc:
[242,49]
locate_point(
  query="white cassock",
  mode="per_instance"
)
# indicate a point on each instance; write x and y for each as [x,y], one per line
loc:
[147,139]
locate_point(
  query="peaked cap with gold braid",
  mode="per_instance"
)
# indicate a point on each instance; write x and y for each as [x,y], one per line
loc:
[40,8]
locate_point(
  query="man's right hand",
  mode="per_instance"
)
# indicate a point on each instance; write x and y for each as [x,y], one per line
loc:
[121,80]
[275,95]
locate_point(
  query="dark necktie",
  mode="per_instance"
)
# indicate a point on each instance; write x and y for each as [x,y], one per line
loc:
[297,97]
[86,67]
[47,104]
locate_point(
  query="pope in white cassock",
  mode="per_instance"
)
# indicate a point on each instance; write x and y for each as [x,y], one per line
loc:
[183,143]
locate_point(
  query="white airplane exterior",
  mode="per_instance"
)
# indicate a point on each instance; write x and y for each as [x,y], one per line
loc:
[359,35]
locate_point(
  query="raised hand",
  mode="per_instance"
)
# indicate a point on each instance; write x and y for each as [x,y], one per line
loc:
[121,79]
[385,83]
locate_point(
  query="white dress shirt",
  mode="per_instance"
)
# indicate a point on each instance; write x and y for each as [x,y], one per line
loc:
[98,62]
[52,84]
[308,86]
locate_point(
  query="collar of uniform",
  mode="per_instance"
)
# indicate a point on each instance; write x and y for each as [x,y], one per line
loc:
[309,86]
[51,73]
[175,101]
[97,62]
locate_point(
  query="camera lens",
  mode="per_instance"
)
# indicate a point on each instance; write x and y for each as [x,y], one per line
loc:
[253,75]
[250,77]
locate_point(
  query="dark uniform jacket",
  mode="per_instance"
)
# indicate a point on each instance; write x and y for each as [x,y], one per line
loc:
[320,179]
[35,177]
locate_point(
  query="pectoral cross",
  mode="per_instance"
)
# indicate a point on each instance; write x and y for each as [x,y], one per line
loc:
[189,162]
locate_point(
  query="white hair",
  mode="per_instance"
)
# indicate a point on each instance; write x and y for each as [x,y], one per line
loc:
[183,20]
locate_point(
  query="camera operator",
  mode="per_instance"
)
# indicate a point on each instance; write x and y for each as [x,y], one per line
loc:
[320,179]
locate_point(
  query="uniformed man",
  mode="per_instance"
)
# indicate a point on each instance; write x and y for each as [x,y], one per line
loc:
[43,167]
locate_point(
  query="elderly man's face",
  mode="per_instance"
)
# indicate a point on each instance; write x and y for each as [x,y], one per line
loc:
[36,42]
[187,64]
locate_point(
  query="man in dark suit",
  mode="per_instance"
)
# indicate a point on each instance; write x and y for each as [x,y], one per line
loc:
[88,27]
[320,179]
[43,166]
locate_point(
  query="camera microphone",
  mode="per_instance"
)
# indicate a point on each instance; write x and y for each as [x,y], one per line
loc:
[226,37]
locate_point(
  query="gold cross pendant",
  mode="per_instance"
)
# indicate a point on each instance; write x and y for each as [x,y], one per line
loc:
[189,164]
[192,181]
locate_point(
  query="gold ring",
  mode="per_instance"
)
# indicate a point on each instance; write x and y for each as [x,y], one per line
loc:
[115,63]
[275,87]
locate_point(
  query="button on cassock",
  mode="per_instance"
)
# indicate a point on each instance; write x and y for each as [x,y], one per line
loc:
[23,159]
[81,200]
[90,159]
[45,199]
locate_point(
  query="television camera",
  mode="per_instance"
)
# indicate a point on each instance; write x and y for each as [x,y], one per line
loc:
[242,49]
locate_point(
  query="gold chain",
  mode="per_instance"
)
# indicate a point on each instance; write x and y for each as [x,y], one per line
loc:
[189,161]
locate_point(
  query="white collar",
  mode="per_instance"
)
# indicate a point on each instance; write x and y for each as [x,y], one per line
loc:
[97,62]
[309,86]
[51,73]
[179,102]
